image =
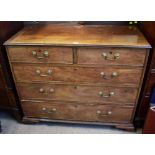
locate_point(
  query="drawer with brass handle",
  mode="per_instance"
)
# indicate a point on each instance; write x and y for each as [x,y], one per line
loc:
[110,94]
[112,75]
[48,72]
[51,111]
[80,112]
[103,75]
[111,56]
[40,55]
[43,54]
[105,113]
[50,90]
[77,93]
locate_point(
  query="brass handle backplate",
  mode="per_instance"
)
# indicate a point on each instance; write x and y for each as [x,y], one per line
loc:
[101,94]
[105,76]
[100,113]
[110,56]
[51,111]
[47,91]
[44,54]
[38,72]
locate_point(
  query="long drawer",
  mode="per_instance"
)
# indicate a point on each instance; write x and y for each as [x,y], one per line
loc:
[111,56]
[41,54]
[104,75]
[80,112]
[64,92]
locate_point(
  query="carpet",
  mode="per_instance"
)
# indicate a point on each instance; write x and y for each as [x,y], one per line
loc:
[11,126]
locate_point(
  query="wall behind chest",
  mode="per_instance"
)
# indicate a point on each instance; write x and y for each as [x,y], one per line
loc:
[8,98]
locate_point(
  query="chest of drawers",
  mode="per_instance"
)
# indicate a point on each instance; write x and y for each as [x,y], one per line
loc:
[86,74]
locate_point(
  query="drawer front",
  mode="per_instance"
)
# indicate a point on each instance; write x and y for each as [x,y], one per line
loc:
[104,75]
[77,93]
[111,56]
[81,112]
[36,54]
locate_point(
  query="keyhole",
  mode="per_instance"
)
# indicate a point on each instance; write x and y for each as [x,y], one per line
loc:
[75,106]
[75,87]
[126,91]
[39,51]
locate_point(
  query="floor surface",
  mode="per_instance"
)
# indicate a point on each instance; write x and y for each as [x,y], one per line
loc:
[11,126]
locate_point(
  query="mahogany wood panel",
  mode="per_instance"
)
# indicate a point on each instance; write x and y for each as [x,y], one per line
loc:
[64,92]
[55,54]
[133,57]
[80,112]
[70,35]
[26,72]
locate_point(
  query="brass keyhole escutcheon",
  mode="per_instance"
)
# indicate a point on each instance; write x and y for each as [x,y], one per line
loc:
[75,87]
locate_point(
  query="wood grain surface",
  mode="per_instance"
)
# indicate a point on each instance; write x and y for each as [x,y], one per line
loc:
[90,94]
[126,76]
[82,35]
[76,112]
[127,56]
[55,54]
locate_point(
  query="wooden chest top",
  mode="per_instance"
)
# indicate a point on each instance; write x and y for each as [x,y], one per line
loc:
[79,35]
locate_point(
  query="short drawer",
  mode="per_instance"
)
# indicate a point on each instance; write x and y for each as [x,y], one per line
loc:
[111,56]
[40,54]
[64,92]
[80,112]
[104,75]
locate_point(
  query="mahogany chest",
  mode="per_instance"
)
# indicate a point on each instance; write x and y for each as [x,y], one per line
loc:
[76,73]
